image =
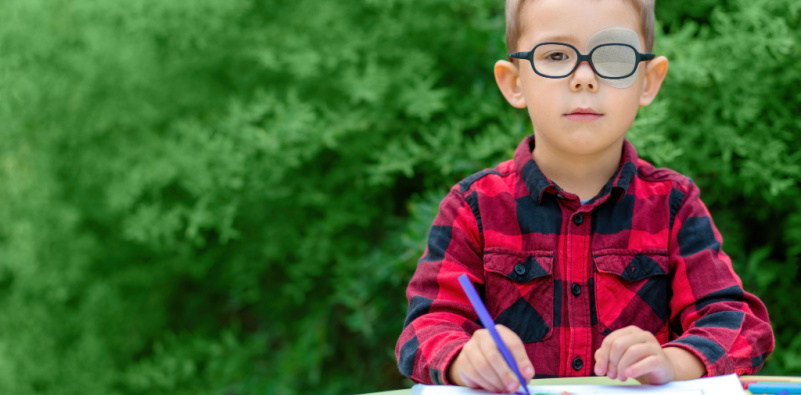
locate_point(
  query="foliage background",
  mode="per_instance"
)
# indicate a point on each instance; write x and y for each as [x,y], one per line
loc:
[229,196]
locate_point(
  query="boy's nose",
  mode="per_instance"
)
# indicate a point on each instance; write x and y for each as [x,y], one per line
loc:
[584,78]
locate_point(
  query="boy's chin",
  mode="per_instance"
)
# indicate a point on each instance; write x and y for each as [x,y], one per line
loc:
[587,146]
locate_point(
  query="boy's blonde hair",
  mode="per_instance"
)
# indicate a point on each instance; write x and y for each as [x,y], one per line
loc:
[514,27]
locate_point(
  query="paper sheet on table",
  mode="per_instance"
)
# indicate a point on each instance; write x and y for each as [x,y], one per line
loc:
[719,385]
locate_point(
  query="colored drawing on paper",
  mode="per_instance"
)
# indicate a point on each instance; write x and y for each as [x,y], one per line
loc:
[621,390]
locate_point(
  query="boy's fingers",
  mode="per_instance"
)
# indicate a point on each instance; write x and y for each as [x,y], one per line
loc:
[651,370]
[602,359]
[634,353]
[644,366]
[498,372]
[617,347]
[471,378]
[602,355]
[460,368]
[469,383]
[518,350]
[638,345]
[477,374]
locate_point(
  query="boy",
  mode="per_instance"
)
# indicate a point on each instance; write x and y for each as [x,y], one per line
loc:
[590,260]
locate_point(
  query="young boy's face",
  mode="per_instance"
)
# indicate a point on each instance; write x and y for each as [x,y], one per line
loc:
[559,107]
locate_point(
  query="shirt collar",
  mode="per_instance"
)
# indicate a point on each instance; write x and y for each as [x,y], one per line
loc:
[537,183]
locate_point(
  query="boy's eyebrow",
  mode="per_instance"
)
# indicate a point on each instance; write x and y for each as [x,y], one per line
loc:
[559,38]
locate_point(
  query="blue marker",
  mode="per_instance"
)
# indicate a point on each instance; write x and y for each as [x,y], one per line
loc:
[774,388]
[489,324]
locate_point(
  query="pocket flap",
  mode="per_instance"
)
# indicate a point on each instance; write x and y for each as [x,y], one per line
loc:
[632,265]
[519,266]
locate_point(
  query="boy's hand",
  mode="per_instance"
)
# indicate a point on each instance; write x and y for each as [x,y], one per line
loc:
[633,352]
[481,365]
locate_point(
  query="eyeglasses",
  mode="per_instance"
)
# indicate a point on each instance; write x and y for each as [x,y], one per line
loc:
[559,60]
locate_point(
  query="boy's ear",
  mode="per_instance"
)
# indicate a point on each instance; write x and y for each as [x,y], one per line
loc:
[655,73]
[508,80]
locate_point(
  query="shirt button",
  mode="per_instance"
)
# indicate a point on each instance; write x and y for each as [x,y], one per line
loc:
[576,289]
[578,219]
[520,269]
[578,363]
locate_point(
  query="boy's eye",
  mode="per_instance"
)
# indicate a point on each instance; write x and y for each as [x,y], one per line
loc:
[556,56]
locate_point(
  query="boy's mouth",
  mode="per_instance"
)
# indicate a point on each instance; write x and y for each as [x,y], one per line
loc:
[583,114]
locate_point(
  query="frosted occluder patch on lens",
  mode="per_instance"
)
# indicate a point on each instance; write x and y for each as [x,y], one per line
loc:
[613,60]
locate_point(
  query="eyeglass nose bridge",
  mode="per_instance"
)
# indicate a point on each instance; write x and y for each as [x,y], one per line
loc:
[580,58]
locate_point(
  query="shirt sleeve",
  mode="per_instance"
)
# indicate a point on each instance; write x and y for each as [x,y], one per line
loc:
[440,319]
[711,315]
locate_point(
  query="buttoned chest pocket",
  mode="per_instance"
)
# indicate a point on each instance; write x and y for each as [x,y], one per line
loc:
[631,288]
[519,291]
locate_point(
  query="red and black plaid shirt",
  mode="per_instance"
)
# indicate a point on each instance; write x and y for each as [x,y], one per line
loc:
[563,275]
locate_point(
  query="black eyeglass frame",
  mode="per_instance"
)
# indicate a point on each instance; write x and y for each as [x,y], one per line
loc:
[640,57]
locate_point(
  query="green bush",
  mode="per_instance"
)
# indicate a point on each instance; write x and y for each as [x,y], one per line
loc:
[229,196]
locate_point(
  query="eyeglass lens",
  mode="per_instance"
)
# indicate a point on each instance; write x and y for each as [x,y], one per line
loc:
[610,61]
